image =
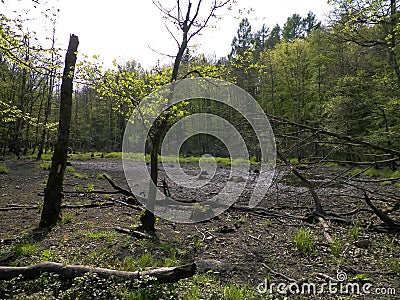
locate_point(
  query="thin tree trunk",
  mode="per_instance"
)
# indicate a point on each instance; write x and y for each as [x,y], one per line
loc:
[19,126]
[51,213]
[51,80]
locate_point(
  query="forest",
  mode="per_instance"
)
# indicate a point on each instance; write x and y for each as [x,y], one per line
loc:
[72,226]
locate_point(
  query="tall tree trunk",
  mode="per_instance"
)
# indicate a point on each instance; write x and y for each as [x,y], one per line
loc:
[51,213]
[148,219]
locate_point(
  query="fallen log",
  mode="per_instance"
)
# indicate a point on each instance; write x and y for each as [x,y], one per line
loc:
[162,275]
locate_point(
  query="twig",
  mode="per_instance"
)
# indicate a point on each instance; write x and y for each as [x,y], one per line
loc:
[277,273]
[135,233]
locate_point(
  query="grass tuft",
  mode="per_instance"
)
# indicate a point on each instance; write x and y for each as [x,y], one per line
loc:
[3,170]
[304,240]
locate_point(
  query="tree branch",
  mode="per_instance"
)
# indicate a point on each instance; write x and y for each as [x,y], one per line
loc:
[162,275]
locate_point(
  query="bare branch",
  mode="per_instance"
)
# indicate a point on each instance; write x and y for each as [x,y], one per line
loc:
[164,54]
[173,36]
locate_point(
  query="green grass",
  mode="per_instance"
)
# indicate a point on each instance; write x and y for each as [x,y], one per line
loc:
[3,170]
[45,156]
[332,164]
[44,165]
[304,240]
[386,183]
[25,249]
[242,220]
[140,157]
[78,188]
[67,218]
[80,176]
[182,159]
[113,155]
[336,247]
[70,169]
[89,187]
[372,172]
[378,173]
[354,231]
[267,222]
[97,235]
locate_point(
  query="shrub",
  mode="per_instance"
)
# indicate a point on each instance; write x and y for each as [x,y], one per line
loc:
[3,170]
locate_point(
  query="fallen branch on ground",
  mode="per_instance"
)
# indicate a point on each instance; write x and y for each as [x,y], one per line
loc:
[162,275]
[126,204]
[135,233]
[118,188]
[381,215]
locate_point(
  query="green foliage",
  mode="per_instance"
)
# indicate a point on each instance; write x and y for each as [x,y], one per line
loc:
[70,169]
[242,220]
[97,235]
[90,187]
[113,155]
[3,170]
[336,248]
[304,240]
[78,188]
[332,164]
[44,165]
[46,255]
[267,222]
[297,27]
[235,292]
[80,176]
[354,231]
[361,278]
[25,249]
[68,218]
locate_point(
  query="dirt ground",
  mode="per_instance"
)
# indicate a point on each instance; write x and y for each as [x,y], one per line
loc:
[243,247]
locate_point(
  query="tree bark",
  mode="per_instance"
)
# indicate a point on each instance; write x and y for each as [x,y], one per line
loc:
[51,213]
[163,275]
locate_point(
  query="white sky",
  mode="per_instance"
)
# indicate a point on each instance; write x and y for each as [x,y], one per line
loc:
[127,29]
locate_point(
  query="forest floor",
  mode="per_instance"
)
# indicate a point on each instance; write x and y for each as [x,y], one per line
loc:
[242,247]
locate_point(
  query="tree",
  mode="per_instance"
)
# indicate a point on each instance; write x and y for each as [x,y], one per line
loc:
[260,39]
[274,37]
[371,24]
[293,28]
[297,27]
[189,24]
[51,212]
[243,40]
